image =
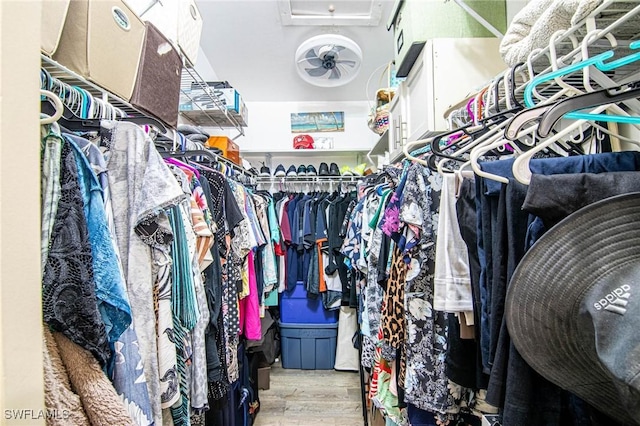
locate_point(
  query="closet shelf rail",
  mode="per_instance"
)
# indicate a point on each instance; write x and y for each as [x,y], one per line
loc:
[613,20]
[64,74]
[219,116]
[308,179]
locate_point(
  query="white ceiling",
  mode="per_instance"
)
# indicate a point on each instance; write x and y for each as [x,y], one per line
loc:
[252,44]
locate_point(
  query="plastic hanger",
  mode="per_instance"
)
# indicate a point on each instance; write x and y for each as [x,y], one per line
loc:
[521,169]
[598,61]
[555,112]
[59,107]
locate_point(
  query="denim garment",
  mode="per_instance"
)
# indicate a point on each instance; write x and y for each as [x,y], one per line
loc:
[418,417]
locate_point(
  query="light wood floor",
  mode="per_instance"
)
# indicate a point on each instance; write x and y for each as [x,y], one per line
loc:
[310,397]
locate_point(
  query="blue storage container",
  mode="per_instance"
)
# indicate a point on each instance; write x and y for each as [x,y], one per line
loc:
[296,307]
[308,346]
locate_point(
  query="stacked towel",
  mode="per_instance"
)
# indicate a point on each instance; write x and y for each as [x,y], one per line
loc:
[534,25]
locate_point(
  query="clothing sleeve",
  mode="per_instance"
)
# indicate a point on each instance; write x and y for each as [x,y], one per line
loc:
[285,227]
[273,222]
[231,210]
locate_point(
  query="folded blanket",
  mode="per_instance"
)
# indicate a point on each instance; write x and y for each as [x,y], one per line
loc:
[534,25]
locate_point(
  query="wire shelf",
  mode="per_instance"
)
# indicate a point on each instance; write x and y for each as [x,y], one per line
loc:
[218,117]
[619,19]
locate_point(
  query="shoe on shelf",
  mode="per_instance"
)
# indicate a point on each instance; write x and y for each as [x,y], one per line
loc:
[324,169]
[265,171]
[311,171]
[346,171]
[334,170]
[359,169]
[302,170]
[292,171]
[280,171]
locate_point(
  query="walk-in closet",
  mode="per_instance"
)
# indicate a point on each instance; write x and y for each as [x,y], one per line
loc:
[309,212]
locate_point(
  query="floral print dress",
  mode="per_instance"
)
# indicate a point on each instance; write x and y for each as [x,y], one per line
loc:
[426,384]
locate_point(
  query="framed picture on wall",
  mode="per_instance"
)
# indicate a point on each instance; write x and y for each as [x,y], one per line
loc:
[311,122]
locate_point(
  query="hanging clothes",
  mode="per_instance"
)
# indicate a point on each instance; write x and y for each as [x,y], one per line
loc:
[141,188]
[68,287]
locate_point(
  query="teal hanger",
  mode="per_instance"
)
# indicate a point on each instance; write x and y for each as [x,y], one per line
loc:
[599,62]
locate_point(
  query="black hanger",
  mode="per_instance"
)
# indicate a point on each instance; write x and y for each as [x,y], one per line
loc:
[72,122]
[554,113]
[512,85]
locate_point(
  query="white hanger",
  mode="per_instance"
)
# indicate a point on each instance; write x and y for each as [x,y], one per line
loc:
[521,170]
[58,104]
[408,156]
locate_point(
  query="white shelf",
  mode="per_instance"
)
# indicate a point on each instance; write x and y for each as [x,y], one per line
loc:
[381,146]
[305,152]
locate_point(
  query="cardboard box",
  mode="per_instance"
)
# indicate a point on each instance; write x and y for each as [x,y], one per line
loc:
[200,100]
[264,378]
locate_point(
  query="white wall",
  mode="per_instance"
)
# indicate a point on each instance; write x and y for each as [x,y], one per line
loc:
[269,131]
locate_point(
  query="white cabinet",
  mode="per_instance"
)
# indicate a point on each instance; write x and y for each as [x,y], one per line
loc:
[416,21]
[397,121]
[447,70]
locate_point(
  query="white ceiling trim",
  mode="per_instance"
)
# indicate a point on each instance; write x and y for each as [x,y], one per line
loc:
[289,18]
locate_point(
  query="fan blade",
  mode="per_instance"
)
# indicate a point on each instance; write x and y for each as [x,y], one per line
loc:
[335,73]
[313,59]
[346,62]
[316,72]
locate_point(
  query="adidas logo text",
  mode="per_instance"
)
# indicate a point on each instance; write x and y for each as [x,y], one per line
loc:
[615,301]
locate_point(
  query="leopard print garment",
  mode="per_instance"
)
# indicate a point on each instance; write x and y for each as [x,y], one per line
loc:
[393,319]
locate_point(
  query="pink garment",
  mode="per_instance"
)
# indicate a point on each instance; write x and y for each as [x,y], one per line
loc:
[250,306]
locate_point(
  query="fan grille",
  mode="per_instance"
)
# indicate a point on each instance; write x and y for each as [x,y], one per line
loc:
[328,60]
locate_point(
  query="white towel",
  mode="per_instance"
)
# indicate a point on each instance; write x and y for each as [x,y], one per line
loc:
[534,25]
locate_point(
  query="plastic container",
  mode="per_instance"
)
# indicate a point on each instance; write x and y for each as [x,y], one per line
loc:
[308,346]
[296,307]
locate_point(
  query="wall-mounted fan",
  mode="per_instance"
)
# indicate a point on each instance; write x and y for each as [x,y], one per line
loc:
[328,60]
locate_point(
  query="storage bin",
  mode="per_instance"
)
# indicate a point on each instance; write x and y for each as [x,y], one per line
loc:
[229,148]
[228,98]
[102,41]
[189,29]
[53,16]
[157,89]
[296,307]
[308,346]
[162,14]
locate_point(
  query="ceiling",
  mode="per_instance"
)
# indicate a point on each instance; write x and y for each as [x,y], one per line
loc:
[252,44]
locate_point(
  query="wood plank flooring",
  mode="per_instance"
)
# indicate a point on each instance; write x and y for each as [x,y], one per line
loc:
[310,398]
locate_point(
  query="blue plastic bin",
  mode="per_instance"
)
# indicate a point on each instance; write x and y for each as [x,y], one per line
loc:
[297,308]
[308,346]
